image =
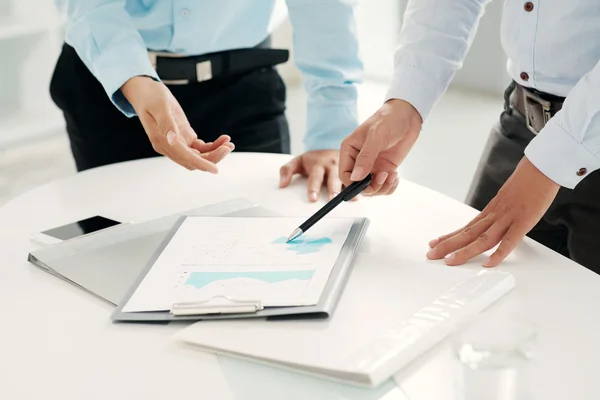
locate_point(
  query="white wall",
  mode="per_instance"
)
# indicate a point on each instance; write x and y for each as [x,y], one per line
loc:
[378,26]
[29,46]
[484,68]
[379,23]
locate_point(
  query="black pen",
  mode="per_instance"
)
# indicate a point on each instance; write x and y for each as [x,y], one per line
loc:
[345,195]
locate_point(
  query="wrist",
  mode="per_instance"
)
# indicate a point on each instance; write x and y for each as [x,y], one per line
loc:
[402,107]
[542,178]
[406,114]
[405,108]
[133,85]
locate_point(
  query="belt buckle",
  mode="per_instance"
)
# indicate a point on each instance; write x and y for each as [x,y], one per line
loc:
[532,99]
[203,71]
[203,68]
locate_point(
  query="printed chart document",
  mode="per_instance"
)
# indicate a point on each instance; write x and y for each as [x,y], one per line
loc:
[244,259]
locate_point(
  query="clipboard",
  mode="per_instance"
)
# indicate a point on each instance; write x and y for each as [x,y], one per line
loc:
[105,264]
[229,308]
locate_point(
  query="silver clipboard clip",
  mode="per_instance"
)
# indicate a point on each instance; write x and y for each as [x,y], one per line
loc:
[216,305]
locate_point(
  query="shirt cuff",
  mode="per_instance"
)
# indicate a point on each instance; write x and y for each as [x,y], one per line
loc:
[560,157]
[413,86]
[117,65]
[328,126]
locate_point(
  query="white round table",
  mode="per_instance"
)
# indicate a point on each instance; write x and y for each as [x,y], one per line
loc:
[58,342]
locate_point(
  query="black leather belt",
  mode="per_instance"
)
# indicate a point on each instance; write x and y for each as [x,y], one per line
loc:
[175,69]
[537,107]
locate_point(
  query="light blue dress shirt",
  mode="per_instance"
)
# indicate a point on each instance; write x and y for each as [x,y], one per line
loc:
[112,38]
[555,42]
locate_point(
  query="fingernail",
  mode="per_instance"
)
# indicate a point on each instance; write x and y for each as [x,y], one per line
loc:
[331,196]
[431,253]
[312,196]
[357,174]
[487,262]
[380,179]
[451,258]
[434,243]
[171,137]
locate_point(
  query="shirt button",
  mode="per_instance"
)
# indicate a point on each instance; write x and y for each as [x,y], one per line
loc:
[184,13]
[582,172]
[524,76]
[528,6]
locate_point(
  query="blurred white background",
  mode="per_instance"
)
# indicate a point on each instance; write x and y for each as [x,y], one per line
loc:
[34,148]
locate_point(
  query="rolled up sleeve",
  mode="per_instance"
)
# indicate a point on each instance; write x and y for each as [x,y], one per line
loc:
[327,55]
[103,35]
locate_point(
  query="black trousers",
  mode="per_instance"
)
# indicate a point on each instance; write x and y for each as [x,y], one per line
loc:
[571,226]
[249,107]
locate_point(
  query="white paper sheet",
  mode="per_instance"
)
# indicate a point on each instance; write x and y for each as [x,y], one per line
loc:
[243,259]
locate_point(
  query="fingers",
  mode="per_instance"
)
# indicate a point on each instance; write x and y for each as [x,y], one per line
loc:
[375,185]
[214,151]
[334,185]
[509,241]
[348,152]
[287,172]
[483,243]
[223,140]
[315,181]
[178,150]
[390,184]
[171,134]
[216,155]
[163,131]
[435,242]
[184,155]
[460,239]
[384,183]
[375,142]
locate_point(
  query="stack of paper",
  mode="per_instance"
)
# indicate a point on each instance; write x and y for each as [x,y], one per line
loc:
[388,315]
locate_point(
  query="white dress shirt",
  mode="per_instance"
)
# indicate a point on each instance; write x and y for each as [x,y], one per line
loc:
[552,45]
